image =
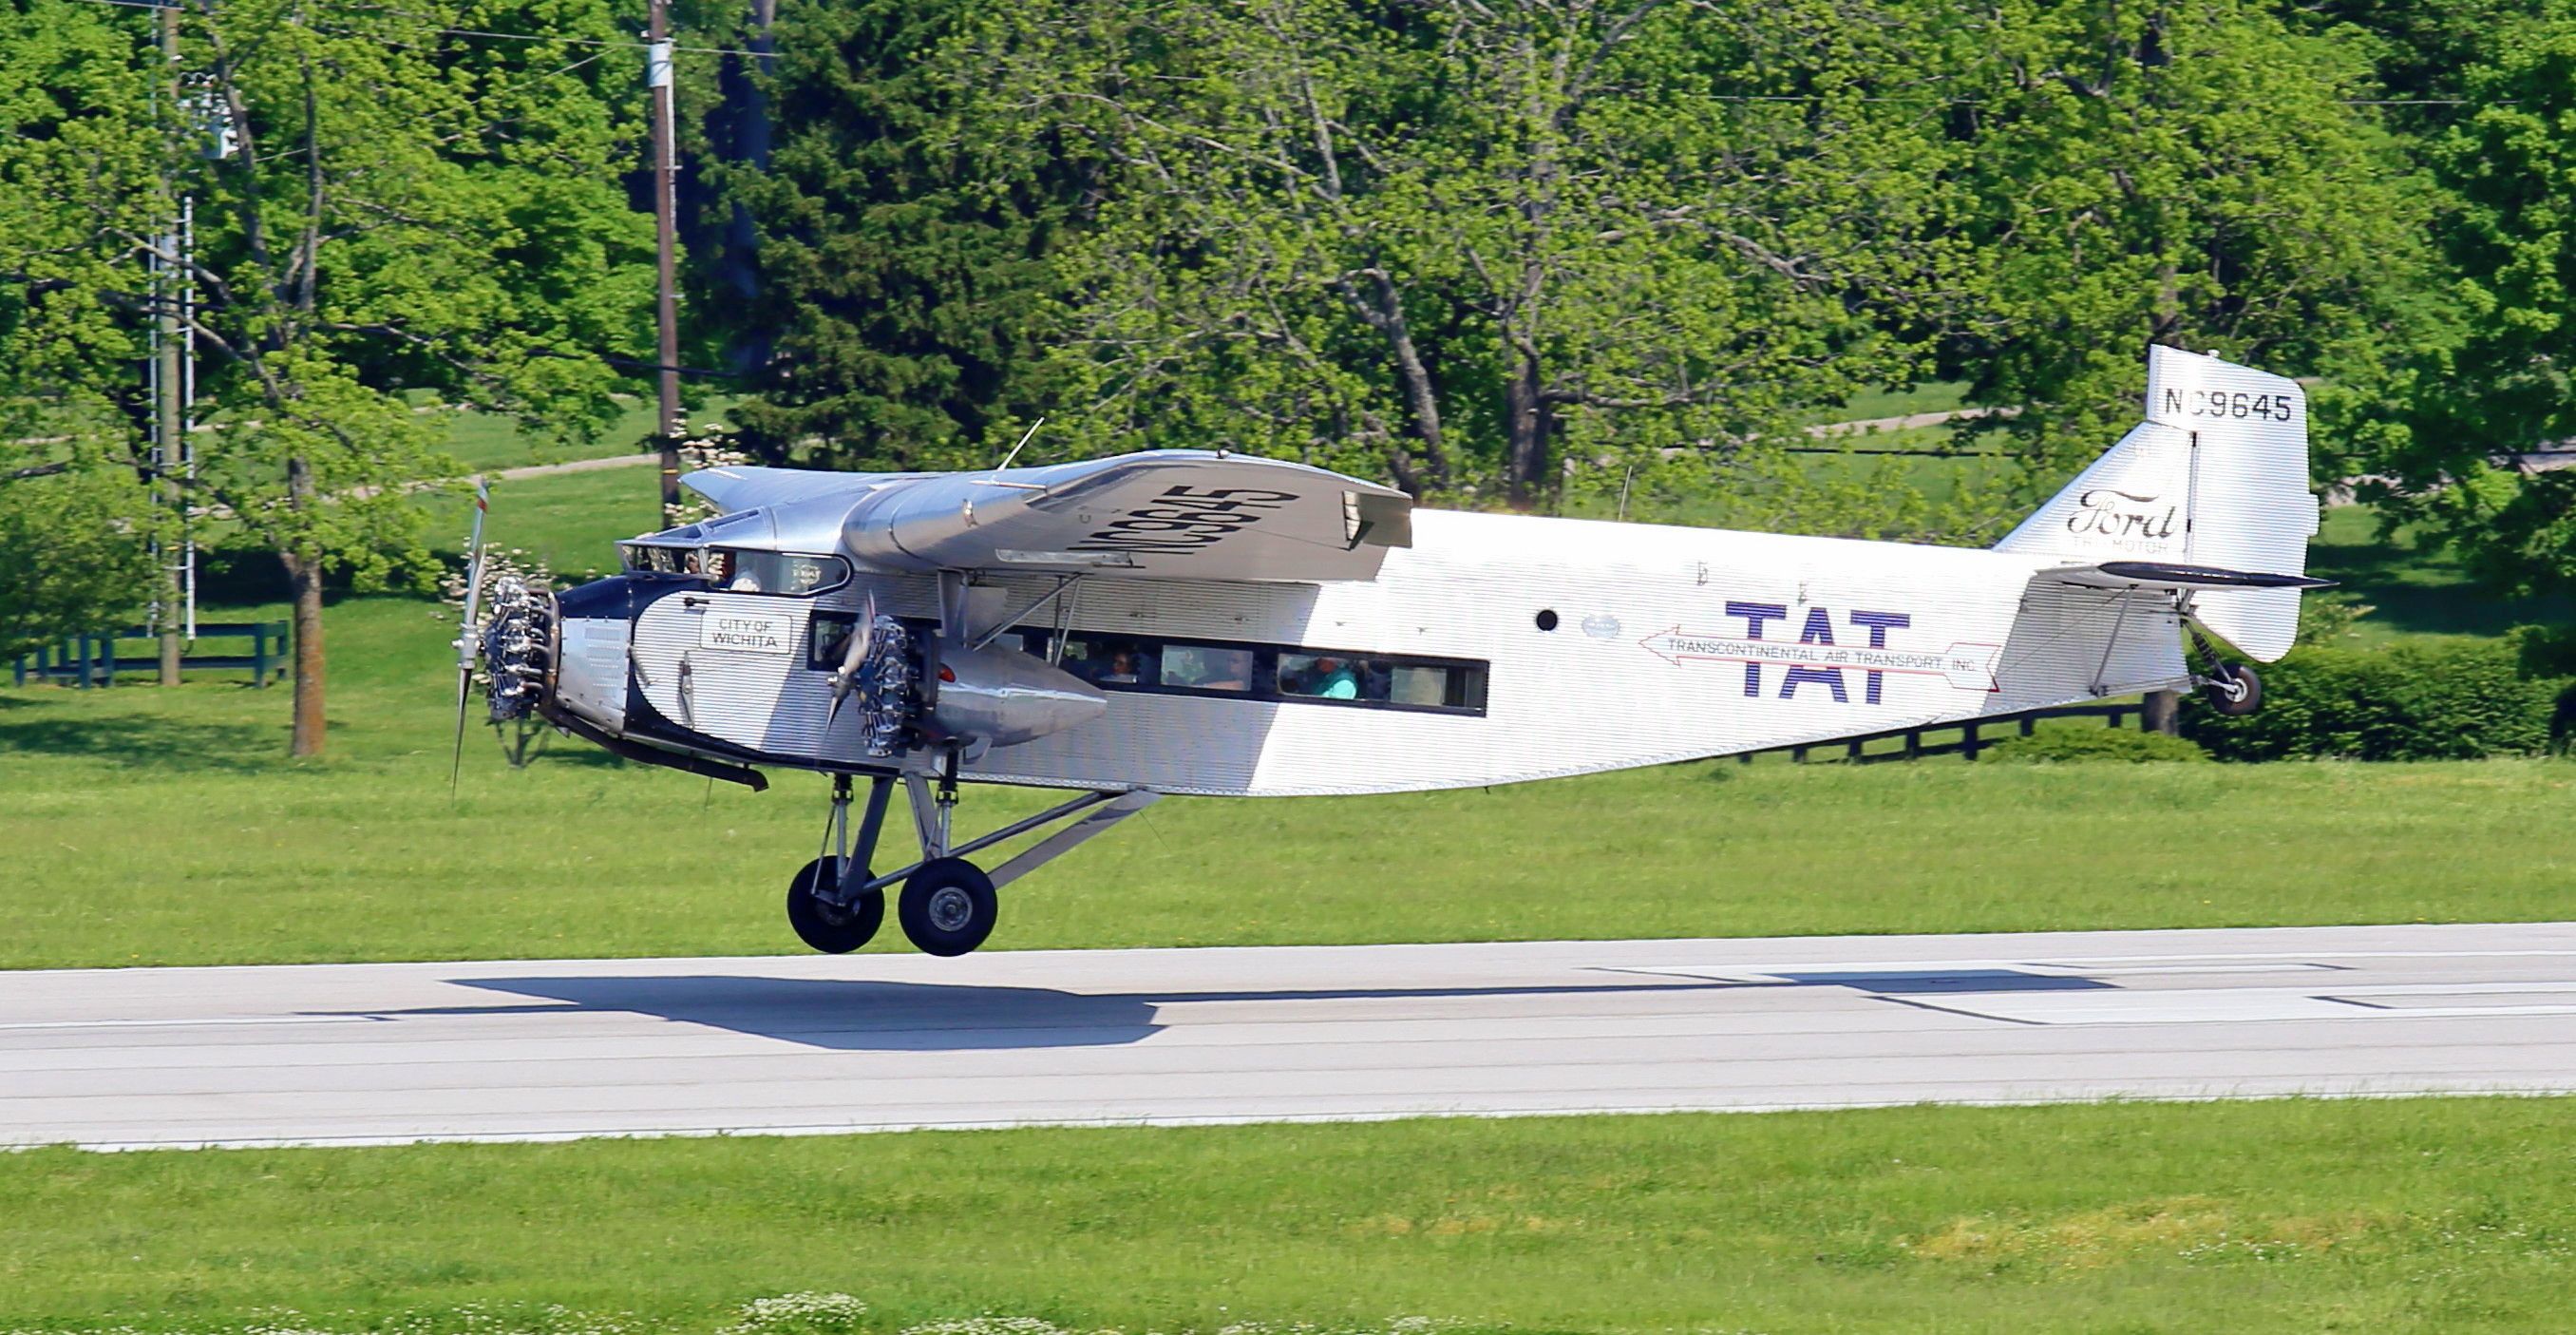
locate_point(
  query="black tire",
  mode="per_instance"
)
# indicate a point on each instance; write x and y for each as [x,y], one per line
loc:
[834,931]
[2234,690]
[948,907]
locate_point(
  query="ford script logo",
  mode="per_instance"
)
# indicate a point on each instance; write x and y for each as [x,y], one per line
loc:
[2111,513]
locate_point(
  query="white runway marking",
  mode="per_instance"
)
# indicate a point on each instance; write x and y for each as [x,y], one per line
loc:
[549,1050]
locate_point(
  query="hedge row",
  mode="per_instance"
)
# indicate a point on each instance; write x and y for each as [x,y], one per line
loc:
[2418,700]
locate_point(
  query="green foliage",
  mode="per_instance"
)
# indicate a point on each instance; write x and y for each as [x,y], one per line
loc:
[905,230]
[2190,174]
[2415,700]
[382,204]
[1461,246]
[2080,745]
[2443,448]
[75,564]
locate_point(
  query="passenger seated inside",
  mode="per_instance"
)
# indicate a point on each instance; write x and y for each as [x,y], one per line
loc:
[1206,668]
[1324,677]
[1109,662]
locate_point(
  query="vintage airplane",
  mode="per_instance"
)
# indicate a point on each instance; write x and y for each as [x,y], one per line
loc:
[1207,623]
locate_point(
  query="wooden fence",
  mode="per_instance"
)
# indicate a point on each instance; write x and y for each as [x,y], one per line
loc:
[92,660]
[1972,735]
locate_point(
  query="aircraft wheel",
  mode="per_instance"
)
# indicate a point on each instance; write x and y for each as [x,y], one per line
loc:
[948,906]
[826,927]
[2234,690]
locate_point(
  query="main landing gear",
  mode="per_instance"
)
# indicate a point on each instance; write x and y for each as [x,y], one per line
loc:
[947,905]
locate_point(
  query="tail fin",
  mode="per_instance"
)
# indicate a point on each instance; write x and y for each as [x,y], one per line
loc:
[2217,477]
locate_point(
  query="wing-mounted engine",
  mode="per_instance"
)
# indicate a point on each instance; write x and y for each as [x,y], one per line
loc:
[911,691]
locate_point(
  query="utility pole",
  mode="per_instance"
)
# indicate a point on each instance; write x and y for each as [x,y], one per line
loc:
[168,427]
[657,86]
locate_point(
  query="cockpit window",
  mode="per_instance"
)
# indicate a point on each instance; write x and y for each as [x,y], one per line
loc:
[792,574]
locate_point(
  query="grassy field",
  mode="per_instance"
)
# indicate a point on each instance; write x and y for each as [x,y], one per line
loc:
[482,440]
[153,827]
[2444,1215]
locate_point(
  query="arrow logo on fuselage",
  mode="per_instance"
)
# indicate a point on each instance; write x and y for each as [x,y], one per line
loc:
[1966,667]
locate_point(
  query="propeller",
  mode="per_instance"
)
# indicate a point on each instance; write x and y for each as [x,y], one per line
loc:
[465,632]
[847,679]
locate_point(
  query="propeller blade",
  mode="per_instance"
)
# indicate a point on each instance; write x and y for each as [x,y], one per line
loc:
[466,639]
[852,660]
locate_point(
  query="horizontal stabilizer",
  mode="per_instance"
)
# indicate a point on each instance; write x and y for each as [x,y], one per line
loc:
[2174,575]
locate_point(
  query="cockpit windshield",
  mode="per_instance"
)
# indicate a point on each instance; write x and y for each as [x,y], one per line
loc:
[736,570]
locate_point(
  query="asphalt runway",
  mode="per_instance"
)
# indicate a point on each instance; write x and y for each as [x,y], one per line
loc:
[521,1050]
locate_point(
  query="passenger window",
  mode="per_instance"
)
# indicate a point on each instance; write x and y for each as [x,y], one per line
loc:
[1325,677]
[1422,686]
[1202,668]
[1109,662]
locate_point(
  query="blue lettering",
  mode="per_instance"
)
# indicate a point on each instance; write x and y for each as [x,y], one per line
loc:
[1829,678]
[1755,614]
[1879,623]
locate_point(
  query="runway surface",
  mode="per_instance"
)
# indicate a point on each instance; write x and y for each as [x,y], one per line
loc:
[335,1054]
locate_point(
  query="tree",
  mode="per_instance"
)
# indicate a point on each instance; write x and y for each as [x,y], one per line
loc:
[90,569]
[383,205]
[2200,173]
[1457,243]
[2447,451]
[903,246]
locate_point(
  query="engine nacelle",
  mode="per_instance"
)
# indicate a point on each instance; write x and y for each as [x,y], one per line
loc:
[1002,697]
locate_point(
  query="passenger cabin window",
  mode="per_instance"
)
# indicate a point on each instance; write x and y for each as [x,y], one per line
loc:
[1275,673]
[1108,660]
[1202,667]
[1269,672]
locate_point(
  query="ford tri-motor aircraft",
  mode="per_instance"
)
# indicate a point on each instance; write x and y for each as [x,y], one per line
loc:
[1200,622]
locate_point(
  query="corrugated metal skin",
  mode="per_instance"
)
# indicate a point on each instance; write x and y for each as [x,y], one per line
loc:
[2251,509]
[2216,476]
[1637,671]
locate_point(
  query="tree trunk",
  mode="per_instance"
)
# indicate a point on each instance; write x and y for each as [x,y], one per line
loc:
[1525,428]
[306,575]
[304,571]
[2160,712]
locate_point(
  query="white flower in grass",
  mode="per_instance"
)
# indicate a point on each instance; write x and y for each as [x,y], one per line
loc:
[798,1314]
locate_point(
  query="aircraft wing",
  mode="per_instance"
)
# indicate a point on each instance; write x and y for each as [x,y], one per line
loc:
[732,488]
[1169,514]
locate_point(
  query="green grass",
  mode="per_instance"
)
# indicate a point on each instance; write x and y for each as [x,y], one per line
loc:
[163,827]
[571,521]
[2442,1215]
[2413,591]
[482,440]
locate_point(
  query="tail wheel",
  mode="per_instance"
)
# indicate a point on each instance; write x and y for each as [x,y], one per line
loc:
[2234,690]
[948,907]
[825,926]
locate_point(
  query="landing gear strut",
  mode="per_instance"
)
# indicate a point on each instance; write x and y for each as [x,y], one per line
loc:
[823,915]
[947,905]
[2233,688]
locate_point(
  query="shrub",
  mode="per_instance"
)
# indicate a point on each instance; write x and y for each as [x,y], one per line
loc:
[2419,700]
[2064,745]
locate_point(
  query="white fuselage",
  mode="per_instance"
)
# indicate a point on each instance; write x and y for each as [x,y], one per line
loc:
[1666,644]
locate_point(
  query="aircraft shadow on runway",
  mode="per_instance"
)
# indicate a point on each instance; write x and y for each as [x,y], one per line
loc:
[864,1015]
